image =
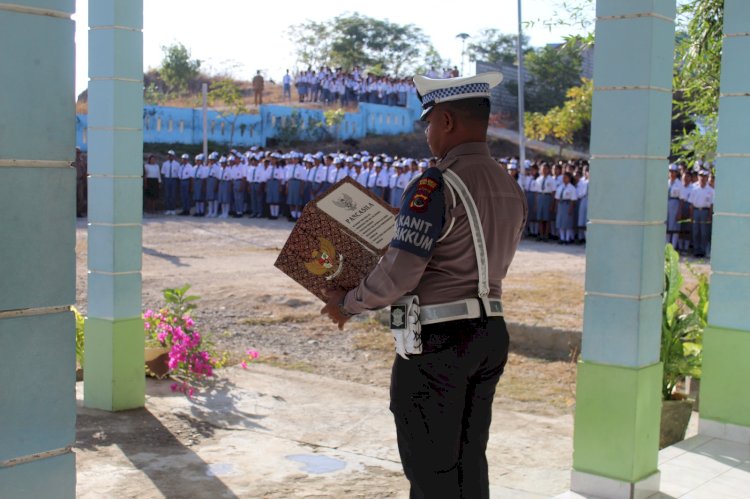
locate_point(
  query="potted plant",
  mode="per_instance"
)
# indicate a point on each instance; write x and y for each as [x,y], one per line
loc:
[182,354]
[682,325]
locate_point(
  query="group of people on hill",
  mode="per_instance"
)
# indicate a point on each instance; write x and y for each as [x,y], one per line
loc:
[338,87]
[263,183]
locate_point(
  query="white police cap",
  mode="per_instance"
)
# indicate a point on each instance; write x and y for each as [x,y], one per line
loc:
[434,91]
[170,152]
[185,156]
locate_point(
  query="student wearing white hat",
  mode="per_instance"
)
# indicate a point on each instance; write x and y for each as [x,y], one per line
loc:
[702,202]
[199,186]
[212,185]
[225,185]
[674,188]
[441,256]
[187,173]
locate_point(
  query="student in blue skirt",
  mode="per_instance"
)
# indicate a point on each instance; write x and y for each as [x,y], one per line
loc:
[544,201]
[674,189]
[565,198]
[199,186]
[225,188]
[273,186]
[212,185]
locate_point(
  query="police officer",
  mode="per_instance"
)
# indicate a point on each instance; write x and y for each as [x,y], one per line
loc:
[456,233]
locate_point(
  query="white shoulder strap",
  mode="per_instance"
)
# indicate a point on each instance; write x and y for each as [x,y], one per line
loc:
[475,223]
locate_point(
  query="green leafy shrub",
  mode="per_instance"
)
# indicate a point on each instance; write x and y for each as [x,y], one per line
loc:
[682,325]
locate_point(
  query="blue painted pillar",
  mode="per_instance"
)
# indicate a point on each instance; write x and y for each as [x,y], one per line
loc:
[114,372]
[725,392]
[37,249]
[618,393]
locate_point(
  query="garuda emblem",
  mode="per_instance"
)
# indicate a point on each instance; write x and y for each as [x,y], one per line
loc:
[325,261]
[345,202]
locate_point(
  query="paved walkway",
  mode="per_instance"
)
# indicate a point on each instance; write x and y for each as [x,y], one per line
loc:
[271,433]
[268,432]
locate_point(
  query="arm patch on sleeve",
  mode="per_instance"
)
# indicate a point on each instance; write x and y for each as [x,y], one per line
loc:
[420,218]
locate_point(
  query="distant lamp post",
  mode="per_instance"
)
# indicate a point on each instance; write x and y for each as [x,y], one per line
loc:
[463,37]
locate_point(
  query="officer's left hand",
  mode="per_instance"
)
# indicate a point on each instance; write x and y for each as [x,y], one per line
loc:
[335,298]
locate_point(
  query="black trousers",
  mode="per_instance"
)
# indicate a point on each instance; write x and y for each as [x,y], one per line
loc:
[442,404]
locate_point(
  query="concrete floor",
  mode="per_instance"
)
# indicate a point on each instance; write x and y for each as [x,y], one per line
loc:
[273,433]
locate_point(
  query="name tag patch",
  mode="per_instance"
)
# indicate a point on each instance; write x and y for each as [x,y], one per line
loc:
[420,219]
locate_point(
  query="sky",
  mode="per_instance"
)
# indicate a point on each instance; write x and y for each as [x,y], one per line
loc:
[238,37]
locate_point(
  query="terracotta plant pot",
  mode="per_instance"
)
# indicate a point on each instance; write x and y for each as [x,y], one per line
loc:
[675,416]
[156,361]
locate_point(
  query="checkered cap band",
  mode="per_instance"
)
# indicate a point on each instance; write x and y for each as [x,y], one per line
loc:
[443,93]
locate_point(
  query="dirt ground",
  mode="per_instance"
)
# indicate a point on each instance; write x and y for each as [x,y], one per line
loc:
[247,303]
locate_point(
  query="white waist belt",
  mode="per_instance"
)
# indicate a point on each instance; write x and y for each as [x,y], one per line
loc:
[458,310]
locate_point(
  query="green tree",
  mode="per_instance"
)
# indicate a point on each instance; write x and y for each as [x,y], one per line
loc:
[564,123]
[553,70]
[356,40]
[494,47]
[226,97]
[332,118]
[697,70]
[697,74]
[177,68]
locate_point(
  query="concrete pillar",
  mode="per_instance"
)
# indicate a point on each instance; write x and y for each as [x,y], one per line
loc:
[37,249]
[725,391]
[618,394]
[114,372]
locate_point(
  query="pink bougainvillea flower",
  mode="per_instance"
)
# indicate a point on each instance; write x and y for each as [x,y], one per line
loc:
[243,364]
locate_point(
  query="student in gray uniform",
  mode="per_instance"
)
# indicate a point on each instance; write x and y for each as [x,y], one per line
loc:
[273,188]
[702,202]
[212,185]
[674,188]
[238,187]
[199,186]
[443,379]
[225,188]
[170,173]
[259,187]
[544,202]
[187,172]
[565,199]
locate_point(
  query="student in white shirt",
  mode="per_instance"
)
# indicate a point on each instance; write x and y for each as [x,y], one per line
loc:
[199,186]
[582,191]
[702,202]
[187,172]
[273,186]
[151,183]
[544,201]
[565,198]
[170,173]
[674,189]
[215,173]
[686,224]
[225,185]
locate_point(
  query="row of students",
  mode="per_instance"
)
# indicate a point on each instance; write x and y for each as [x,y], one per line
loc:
[257,183]
[558,203]
[690,199]
[557,198]
[329,86]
